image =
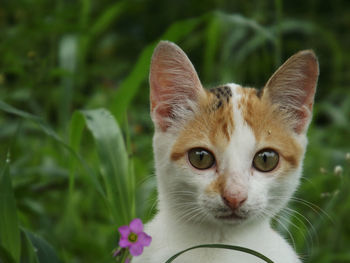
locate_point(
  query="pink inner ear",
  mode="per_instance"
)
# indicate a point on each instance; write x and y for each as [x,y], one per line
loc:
[308,81]
[173,82]
[303,116]
[293,87]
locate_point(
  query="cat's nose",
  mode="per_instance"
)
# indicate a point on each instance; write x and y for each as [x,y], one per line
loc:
[234,201]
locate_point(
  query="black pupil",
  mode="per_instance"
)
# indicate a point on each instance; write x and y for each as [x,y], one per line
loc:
[201,155]
[265,157]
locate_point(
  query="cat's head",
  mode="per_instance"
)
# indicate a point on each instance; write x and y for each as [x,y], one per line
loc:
[229,154]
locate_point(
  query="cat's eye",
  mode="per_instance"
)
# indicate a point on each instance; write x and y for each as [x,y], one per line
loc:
[265,160]
[200,158]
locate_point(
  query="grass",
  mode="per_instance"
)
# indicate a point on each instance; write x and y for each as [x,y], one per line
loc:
[75,115]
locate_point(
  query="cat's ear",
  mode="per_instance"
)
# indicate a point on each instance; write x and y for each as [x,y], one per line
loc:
[175,86]
[292,88]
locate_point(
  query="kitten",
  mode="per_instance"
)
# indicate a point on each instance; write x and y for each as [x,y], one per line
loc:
[227,159]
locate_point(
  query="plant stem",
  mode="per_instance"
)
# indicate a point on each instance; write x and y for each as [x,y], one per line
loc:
[237,248]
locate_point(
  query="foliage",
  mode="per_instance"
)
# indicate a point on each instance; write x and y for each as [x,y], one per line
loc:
[71,165]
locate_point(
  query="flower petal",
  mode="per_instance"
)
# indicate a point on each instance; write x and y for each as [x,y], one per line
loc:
[136,226]
[144,239]
[124,231]
[127,260]
[136,249]
[124,242]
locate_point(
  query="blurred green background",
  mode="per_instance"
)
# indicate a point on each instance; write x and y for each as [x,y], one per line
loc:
[57,57]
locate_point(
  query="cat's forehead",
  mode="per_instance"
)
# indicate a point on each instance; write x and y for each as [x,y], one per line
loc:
[214,123]
[228,104]
[223,95]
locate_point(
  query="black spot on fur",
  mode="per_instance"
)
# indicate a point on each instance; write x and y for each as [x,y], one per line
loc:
[219,104]
[223,94]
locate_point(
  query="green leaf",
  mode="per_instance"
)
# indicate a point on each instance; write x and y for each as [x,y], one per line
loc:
[9,231]
[213,40]
[28,252]
[9,109]
[237,248]
[45,252]
[76,128]
[5,256]
[131,84]
[107,17]
[67,59]
[51,133]
[242,21]
[85,13]
[113,163]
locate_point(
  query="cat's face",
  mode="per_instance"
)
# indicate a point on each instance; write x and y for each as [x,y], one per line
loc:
[230,154]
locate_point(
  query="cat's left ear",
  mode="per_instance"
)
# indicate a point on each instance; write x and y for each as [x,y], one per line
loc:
[175,86]
[292,88]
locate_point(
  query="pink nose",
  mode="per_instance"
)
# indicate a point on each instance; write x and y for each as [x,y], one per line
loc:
[234,201]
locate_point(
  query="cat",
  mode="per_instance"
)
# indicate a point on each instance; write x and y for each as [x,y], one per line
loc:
[227,159]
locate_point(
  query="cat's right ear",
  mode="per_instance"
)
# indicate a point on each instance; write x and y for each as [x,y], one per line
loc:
[292,89]
[175,86]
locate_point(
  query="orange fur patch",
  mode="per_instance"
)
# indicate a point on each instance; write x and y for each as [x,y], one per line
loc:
[269,126]
[216,186]
[211,127]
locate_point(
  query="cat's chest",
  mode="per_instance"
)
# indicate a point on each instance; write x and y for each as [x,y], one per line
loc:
[169,240]
[160,253]
[201,255]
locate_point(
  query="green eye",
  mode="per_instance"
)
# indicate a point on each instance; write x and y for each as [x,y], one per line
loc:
[201,158]
[265,160]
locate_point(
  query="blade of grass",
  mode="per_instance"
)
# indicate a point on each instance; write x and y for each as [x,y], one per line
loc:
[9,231]
[278,42]
[85,13]
[28,254]
[45,252]
[131,181]
[76,128]
[237,248]
[236,19]
[119,153]
[67,58]
[328,37]
[213,39]
[5,256]
[113,162]
[226,74]
[109,15]
[51,133]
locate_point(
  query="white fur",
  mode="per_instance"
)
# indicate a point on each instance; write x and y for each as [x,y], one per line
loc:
[186,212]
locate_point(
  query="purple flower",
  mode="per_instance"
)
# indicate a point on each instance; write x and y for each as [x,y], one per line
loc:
[133,237]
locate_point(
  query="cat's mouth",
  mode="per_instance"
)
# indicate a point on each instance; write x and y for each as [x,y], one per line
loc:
[232,216]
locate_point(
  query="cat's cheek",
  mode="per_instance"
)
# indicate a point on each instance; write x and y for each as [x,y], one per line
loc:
[184,171]
[257,195]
